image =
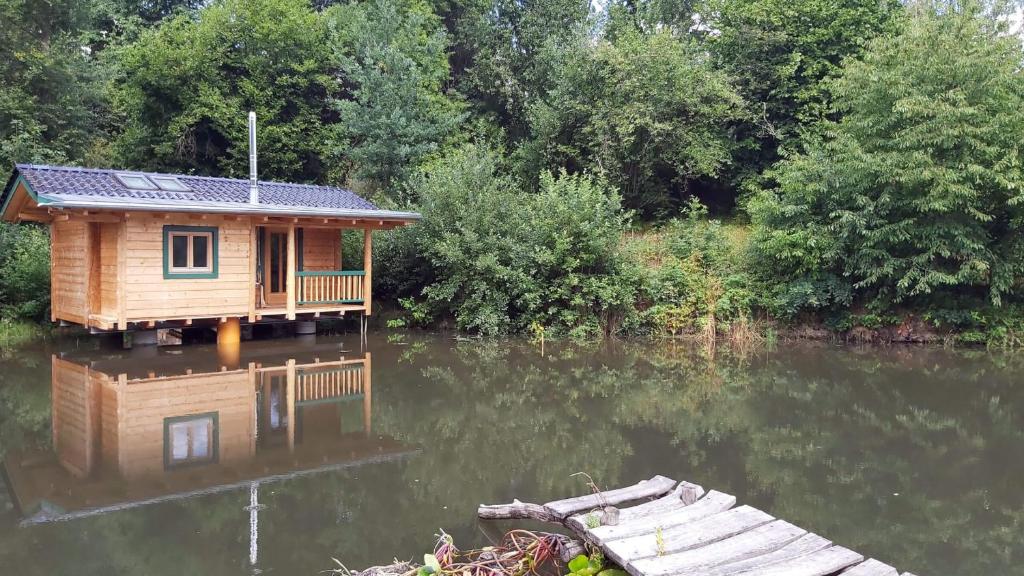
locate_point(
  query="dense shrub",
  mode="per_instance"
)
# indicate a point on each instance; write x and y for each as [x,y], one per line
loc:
[914,196]
[24,271]
[692,274]
[497,260]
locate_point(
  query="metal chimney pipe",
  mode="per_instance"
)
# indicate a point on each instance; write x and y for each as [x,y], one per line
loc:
[254,190]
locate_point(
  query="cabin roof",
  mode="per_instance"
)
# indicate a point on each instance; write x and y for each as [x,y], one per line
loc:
[73,187]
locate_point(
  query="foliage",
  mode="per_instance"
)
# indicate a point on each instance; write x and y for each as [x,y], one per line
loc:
[499,260]
[183,90]
[592,565]
[49,91]
[505,52]
[915,194]
[647,111]
[393,111]
[694,271]
[24,273]
[781,54]
[14,333]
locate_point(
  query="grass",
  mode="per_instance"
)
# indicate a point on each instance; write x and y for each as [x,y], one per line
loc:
[14,333]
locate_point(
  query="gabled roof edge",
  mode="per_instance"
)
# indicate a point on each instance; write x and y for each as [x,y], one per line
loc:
[231,208]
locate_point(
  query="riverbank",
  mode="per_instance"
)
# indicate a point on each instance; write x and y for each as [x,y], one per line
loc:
[15,333]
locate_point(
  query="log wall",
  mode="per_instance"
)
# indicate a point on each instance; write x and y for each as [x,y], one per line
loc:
[321,249]
[144,406]
[108,237]
[151,296]
[69,276]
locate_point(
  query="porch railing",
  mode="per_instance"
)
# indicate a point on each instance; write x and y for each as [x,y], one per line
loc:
[330,287]
[329,385]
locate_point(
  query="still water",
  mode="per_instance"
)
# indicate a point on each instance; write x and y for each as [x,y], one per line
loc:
[167,461]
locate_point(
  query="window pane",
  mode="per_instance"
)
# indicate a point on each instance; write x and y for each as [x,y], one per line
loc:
[200,251]
[168,183]
[179,441]
[201,438]
[179,251]
[135,181]
[275,262]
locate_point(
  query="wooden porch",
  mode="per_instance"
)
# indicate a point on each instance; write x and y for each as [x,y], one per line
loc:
[287,284]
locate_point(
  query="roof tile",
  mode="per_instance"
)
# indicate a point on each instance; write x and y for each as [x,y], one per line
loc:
[70,182]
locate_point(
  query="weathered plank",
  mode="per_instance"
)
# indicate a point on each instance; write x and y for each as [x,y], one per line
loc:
[687,536]
[671,501]
[871,567]
[804,545]
[655,487]
[820,563]
[754,543]
[668,517]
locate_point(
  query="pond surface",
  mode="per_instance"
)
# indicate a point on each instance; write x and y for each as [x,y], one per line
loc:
[169,462]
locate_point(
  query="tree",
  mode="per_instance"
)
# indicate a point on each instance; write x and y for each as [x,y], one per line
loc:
[781,54]
[648,111]
[917,193]
[504,50]
[394,112]
[183,89]
[49,94]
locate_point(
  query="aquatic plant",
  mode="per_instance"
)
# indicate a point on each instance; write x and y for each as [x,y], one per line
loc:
[592,565]
[520,552]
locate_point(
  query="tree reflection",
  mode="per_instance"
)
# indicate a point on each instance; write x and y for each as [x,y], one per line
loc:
[910,455]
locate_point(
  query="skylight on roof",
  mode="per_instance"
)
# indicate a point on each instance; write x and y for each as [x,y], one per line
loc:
[169,183]
[135,181]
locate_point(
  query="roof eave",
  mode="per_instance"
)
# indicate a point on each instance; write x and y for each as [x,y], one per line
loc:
[232,208]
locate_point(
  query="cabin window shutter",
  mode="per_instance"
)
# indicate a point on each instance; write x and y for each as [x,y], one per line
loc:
[190,251]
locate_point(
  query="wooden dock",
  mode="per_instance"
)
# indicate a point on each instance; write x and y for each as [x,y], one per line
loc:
[676,529]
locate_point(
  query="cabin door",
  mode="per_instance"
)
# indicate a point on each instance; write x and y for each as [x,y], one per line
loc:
[275,266]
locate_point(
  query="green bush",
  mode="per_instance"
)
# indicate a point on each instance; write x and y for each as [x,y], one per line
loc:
[913,196]
[691,272]
[498,260]
[24,271]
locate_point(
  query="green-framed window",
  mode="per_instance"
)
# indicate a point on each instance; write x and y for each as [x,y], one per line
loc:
[190,251]
[191,440]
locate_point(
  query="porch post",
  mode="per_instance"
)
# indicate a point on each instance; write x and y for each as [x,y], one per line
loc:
[290,283]
[368,270]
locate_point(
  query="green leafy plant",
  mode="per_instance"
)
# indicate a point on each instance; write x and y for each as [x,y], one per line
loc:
[592,565]
[431,565]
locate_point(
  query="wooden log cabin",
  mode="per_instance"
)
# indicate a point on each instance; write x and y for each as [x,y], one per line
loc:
[133,430]
[134,250]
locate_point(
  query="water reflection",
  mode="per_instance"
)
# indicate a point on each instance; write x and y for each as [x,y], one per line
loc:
[135,429]
[913,456]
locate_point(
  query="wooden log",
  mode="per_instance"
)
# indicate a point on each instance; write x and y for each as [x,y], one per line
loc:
[820,563]
[517,511]
[871,567]
[653,488]
[756,542]
[687,536]
[666,518]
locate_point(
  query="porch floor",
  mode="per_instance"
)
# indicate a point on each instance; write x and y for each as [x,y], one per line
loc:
[315,309]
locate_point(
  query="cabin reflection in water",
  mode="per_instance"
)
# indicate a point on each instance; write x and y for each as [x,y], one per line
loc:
[130,431]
